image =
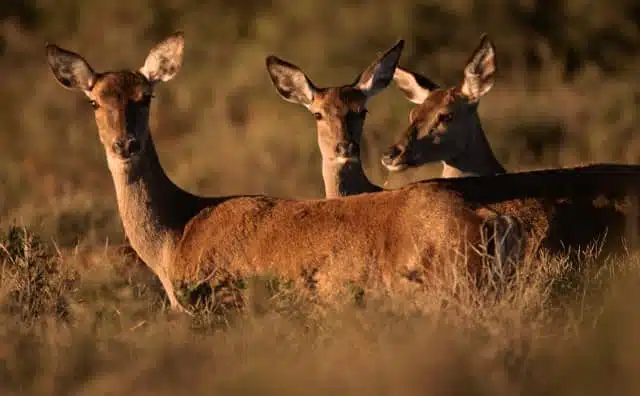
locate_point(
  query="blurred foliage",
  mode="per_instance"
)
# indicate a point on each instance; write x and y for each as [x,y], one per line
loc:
[566,90]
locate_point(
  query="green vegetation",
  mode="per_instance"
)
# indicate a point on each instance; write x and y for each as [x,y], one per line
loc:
[80,315]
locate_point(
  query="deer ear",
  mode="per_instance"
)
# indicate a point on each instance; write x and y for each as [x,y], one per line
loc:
[165,59]
[70,69]
[290,82]
[480,70]
[416,88]
[380,73]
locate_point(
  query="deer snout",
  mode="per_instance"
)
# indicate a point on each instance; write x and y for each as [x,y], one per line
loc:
[126,148]
[348,151]
[393,160]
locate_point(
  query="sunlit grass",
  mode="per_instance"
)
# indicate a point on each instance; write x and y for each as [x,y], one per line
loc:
[96,320]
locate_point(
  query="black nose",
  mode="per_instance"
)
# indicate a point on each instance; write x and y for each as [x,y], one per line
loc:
[126,147]
[348,149]
[391,155]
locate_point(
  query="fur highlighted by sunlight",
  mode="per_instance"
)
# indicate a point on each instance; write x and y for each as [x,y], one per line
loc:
[371,240]
[340,113]
[445,126]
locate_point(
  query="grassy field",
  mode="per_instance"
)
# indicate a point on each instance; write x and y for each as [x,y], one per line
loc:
[95,322]
[80,315]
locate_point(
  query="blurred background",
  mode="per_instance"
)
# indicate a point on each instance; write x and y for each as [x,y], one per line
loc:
[566,92]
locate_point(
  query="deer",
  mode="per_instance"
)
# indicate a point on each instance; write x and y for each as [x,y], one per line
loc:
[536,212]
[445,125]
[340,113]
[375,240]
[563,208]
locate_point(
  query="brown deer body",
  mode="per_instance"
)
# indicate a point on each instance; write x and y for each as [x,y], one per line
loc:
[563,208]
[373,240]
[370,239]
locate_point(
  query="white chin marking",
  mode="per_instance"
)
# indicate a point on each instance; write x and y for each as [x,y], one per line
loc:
[116,160]
[345,160]
[395,168]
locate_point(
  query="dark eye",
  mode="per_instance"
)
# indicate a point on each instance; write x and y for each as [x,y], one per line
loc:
[317,116]
[94,104]
[446,117]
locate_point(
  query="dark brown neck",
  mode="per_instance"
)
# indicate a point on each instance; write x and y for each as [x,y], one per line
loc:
[345,179]
[476,160]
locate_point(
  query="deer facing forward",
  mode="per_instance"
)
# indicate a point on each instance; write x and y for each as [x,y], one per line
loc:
[372,239]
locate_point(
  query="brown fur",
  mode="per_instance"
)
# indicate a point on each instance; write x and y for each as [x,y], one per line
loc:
[445,126]
[340,114]
[372,239]
[563,208]
[344,110]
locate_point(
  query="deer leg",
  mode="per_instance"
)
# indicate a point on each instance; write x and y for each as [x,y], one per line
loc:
[171,294]
[506,235]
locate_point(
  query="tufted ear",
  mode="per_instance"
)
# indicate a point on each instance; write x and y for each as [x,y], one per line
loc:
[480,70]
[70,69]
[165,59]
[416,88]
[290,82]
[380,73]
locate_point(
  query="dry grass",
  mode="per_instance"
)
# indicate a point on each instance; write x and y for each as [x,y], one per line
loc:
[96,323]
[81,316]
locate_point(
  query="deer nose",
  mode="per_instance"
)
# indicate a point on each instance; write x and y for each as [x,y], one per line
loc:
[391,155]
[126,148]
[348,149]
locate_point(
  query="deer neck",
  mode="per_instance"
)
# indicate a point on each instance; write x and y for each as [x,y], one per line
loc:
[153,209]
[476,159]
[342,179]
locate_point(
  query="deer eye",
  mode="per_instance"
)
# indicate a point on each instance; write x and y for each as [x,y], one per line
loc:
[317,116]
[94,104]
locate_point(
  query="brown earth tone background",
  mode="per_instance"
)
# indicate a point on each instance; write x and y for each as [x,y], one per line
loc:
[79,318]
